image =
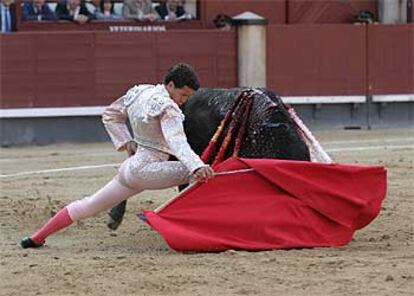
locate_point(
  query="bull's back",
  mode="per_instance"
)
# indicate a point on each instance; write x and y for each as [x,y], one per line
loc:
[271,133]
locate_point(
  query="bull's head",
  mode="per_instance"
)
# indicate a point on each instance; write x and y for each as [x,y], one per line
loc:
[272,133]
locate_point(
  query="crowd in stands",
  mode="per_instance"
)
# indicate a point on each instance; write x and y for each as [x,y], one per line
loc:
[80,11]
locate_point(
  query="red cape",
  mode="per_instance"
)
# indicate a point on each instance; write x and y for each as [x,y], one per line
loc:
[281,204]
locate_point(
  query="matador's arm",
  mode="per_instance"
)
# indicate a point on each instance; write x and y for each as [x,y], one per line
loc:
[173,130]
[114,118]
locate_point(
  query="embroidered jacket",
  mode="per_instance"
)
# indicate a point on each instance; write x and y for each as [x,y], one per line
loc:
[156,121]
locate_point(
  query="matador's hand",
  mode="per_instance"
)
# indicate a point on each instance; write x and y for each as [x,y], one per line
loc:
[131,148]
[203,174]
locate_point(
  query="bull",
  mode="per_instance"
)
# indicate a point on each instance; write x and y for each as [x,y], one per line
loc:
[271,131]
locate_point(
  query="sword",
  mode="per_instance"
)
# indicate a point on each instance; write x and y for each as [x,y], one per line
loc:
[234,172]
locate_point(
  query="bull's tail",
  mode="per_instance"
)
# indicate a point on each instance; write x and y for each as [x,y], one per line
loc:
[316,151]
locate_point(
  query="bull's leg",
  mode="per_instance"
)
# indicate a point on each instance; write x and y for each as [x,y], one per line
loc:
[116,215]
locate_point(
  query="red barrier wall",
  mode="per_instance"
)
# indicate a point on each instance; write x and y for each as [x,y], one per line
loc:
[94,68]
[17,68]
[316,59]
[97,25]
[391,59]
[327,11]
[274,10]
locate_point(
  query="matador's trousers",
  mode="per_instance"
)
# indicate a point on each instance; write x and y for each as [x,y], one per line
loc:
[148,169]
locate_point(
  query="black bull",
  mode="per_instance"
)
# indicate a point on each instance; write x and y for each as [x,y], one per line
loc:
[270,132]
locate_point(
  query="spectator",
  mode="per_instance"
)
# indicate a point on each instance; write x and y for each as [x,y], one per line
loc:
[74,10]
[223,22]
[139,9]
[92,5]
[37,10]
[106,11]
[364,17]
[7,16]
[172,10]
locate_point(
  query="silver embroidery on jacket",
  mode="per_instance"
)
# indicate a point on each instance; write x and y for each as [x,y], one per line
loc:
[156,121]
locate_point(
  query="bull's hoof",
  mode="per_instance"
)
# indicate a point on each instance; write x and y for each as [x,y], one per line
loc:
[115,215]
[27,242]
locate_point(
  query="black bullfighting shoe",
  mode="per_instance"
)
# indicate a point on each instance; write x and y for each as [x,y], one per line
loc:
[27,242]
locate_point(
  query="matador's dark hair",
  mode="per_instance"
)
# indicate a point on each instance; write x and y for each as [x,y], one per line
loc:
[182,75]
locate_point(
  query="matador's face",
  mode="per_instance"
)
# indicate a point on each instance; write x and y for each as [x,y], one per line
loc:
[179,95]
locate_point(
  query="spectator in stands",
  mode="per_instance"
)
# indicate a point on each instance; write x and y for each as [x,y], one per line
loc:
[106,11]
[223,22]
[7,16]
[74,10]
[364,17]
[37,10]
[92,5]
[172,10]
[139,9]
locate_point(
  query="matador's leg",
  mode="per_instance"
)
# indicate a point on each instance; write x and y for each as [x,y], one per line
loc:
[108,196]
[156,175]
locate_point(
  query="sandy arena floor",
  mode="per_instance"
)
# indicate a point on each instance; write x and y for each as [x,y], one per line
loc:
[88,259]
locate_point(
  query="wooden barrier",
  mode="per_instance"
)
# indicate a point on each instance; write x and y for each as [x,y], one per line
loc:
[391,59]
[327,11]
[274,11]
[67,69]
[316,60]
[121,25]
[93,68]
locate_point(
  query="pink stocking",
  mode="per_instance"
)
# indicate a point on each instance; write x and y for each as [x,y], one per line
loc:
[56,223]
